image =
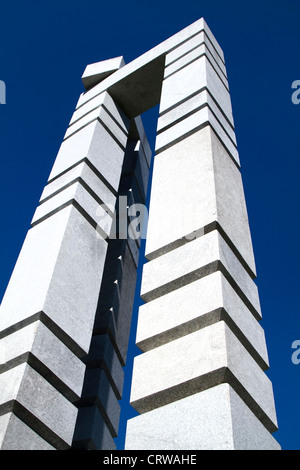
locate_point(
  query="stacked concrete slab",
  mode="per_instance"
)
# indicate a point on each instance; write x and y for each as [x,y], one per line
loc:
[62,345]
[200,382]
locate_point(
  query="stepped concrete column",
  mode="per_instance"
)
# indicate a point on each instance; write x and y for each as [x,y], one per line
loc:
[48,312]
[200,382]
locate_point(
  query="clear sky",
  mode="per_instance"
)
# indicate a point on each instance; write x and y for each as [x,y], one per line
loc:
[45,46]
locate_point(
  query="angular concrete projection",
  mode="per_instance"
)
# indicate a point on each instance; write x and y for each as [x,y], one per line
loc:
[65,319]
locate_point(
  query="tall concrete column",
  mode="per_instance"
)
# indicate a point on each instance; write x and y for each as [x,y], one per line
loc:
[200,381]
[49,311]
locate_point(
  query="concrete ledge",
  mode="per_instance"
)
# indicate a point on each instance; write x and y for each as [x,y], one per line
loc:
[191,105]
[195,76]
[16,435]
[199,361]
[58,272]
[215,419]
[195,306]
[191,44]
[103,355]
[100,214]
[91,432]
[101,148]
[95,73]
[191,124]
[28,395]
[90,178]
[105,118]
[146,71]
[206,188]
[194,260]
[39,347]
[98,392]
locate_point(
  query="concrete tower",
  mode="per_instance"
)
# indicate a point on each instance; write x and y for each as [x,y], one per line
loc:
[65,318]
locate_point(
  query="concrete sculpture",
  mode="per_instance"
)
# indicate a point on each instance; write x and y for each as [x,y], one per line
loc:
[200,381]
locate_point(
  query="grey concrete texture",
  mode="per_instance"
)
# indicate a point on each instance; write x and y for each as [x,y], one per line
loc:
[58,272]
[195,306]
[102,355]
[191,105]
[206,187]
[198,361]
[97,391]
[28,395]
[195,75]
[94,142]
[116,297]
[103,384]
[91,432]
[65,270]
[193,260]
[16,435]
[137,85]
[101,114]
[99,107]
[43,350]
[200,49]
[186,127]
[214,419]
[95,211]
[84,173]
[95,73]
[203,37]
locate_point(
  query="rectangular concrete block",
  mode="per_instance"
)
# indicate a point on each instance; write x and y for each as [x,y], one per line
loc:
[144,74]
[206,186]
[98,213]
[195,76]
[194,203]
[97,71]
[194,260]
[185,48]
[142,170]
[98,392]
[138,123]
[181,62]
[84,172]
[213,40]
[82,122]
[37,345]
[190,106]
[198,361]
[41,403]
[101,100]
[193,55]
[230,199]
[58,272]
[214,419]
[91,432]
[191,124]
[195,306]
[16,435]
[95,143]
[87,108]
[102,354]
[119,131]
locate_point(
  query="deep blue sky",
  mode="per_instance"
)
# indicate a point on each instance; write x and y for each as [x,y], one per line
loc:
[45,46]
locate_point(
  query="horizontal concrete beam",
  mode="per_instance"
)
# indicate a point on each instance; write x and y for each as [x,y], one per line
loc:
[137,86]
